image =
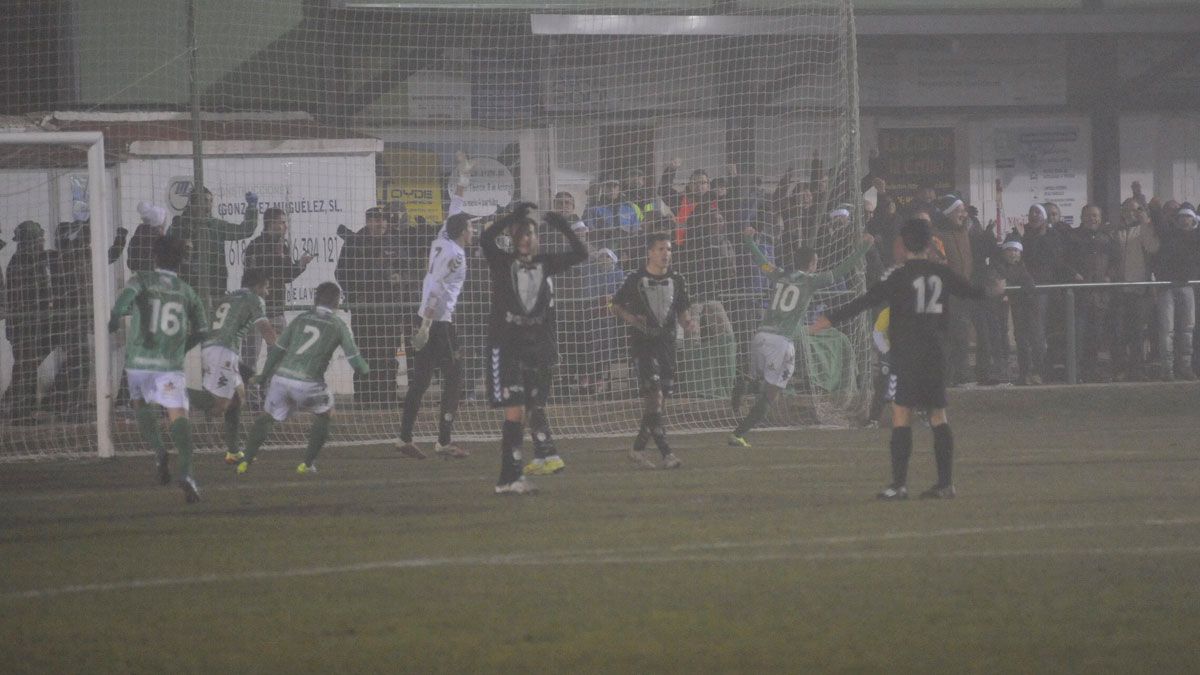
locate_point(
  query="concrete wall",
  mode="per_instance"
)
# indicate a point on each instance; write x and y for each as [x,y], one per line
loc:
[135,51]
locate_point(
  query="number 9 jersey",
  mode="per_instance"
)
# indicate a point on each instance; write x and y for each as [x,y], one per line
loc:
[167,313]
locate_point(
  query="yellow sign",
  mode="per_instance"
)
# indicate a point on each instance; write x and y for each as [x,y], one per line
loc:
[413,178]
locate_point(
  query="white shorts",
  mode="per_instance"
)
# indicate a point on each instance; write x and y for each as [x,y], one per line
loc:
[220,368]
[286,396]
[772,359]
[165,388]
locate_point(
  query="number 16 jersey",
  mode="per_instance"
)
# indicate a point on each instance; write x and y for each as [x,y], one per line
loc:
[166,312]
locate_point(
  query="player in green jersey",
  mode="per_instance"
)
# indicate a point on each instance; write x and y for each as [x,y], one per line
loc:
[773,348]
[168,320]
[296,371]
[224,389]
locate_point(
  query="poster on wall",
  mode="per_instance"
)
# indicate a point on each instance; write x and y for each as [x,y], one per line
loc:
[911,158]
[412,178]
[1041,164]
[316,192]
[490,187]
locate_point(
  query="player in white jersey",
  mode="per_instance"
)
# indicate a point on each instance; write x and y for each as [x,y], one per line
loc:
[435,344]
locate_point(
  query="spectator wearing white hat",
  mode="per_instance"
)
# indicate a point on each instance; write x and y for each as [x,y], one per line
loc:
[1009,267]
[1043,257]
[141,246]
[1178,262]
[951,227]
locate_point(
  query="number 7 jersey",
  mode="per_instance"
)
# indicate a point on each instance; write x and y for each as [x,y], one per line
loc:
[166,313]
[309,343]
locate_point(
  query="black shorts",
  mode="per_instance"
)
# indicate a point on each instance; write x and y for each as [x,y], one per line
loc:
[654,363]
[517,375]
[920,382]
[442,349]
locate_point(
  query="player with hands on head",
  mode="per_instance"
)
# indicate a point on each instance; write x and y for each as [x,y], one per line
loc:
[653,301]
[918,298]
[521,335]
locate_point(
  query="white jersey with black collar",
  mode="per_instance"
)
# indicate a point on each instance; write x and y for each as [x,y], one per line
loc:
[443,279]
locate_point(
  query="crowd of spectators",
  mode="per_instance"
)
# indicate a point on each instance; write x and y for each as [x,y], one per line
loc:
[1124,333]
[1128,333]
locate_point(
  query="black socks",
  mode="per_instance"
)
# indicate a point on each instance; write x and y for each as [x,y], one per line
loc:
[901,447]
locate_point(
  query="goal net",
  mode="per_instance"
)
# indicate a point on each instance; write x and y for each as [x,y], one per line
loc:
[722,124]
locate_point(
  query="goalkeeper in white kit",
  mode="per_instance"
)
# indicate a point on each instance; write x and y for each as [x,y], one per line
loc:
[435,343]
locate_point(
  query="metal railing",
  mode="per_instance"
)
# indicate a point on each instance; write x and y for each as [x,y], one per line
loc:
[1071,357]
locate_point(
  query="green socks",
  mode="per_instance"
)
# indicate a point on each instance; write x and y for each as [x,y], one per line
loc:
[147,421]
[317,437]
[181,435]
[258,435]
[261,429]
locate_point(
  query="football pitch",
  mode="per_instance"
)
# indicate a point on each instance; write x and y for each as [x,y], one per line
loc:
[1074,545]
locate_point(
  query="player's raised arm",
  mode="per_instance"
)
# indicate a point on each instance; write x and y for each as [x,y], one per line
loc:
[847,266]
[958,285]
[557,262]
[768,268]
[876,296]
[487,241]
[464,165]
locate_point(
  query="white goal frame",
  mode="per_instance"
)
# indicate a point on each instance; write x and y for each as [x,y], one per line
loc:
[101,235]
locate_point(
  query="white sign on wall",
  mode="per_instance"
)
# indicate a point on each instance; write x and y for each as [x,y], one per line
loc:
[490,188]
[1042,164]
[318,192]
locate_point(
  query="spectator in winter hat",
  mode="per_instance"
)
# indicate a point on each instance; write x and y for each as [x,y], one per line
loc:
[29,304]
[950,226]
[1178,261]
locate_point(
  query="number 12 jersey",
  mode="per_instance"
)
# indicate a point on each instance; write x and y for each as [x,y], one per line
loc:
[918,295]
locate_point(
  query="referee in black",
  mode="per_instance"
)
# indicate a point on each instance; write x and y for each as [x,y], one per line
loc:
[918,293]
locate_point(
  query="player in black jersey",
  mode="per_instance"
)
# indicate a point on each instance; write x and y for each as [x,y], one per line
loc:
[520,328]
[918,295]
[652,301]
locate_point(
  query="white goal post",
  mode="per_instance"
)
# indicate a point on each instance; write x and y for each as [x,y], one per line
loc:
[335,142]
[101,233]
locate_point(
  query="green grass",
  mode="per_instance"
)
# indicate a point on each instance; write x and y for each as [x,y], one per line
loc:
[1074,545]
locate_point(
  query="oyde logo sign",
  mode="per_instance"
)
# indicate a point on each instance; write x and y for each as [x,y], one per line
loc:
[178,191]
